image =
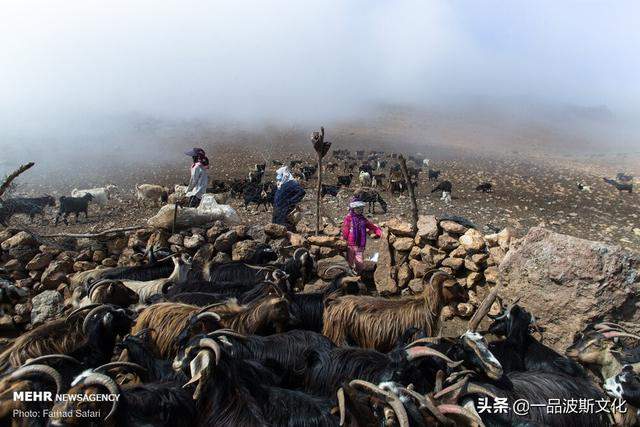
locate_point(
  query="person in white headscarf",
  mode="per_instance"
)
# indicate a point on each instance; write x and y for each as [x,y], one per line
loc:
[288,195]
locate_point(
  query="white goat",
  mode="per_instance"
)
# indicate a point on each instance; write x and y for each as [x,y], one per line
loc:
[100,194]
[146,289]
[151,192]
[425,162]
[365,179]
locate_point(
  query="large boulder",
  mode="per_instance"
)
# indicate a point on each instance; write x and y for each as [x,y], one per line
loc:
[569,282]
[399,227]
[21,239]
[324,264]
[46,305]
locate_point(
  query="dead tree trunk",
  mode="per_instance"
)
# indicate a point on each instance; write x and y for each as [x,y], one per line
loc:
[412,195]
[7,182]
[321,148]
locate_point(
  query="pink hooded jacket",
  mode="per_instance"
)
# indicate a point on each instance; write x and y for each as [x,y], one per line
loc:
[350,237]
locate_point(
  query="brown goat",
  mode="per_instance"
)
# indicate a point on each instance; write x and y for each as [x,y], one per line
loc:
[42,378]
[263,316]
[56,336]
[375,322]
[106,292]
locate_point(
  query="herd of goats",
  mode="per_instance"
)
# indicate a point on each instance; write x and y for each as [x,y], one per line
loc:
[175,342]
[376,170]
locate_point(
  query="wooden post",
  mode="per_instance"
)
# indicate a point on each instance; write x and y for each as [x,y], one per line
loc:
[175,217]
[321,148]
[318,193]
[7,182]
[412,195]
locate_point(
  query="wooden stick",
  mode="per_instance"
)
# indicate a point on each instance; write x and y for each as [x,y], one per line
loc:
[7,182]
[175,217]
[318,193]
[412,195]
[102,233]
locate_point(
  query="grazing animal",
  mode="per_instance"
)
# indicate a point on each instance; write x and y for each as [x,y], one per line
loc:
[237,187]
[31,206]
[74,205]
[621,186]
[622,177]
[260,194]
[345,180]
[426,162]
[445,187]
[377,180]
[583,188]
[376,322]
[381,164]
[433,175]
[397,186]
[101,195]
[371,197]
[331,190]
[485,187]
[152,193]
[255,176]
[308,172]
[365,179]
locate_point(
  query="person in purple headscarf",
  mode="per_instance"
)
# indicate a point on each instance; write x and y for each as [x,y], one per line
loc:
[354,230]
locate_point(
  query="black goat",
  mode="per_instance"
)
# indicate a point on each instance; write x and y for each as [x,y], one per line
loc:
[444,186]
[622,177]
[151,271]
[331,190]
[397,186]
[345,180]
[255,176]
[308,171]
[519,351]
[137,349]
[539,388]
[24,205]
[485,187]
[371,197]
[299,267]
[237,187]
[75,205]
[366,167]
[235,392]
[433,175]
[621,186]
[260,194]
[216,186]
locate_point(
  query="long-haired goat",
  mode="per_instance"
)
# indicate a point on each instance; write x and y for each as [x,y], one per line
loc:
[90,339]
[374,322]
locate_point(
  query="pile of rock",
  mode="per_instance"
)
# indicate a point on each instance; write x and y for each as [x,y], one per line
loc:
[471,257]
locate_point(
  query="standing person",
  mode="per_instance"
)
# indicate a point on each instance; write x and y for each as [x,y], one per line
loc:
[287,197]
[199,178]
[354,231]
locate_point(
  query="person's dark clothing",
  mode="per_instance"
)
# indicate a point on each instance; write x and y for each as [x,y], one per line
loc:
[285,200]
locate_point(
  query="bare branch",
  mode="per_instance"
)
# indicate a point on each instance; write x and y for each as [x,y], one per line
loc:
[7,182]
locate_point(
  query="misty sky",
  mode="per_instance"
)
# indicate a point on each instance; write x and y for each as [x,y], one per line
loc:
[308,59]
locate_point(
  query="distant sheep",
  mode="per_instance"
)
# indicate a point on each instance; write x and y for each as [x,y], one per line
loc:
[100,194]
[151,192]
[74,205]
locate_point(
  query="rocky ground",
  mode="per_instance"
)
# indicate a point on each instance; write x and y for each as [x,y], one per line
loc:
[530,189]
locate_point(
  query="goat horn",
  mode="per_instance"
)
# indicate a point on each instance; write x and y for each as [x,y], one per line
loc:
[211,314]
[211,345]
[607,328]
[426,403]
[227,333]
[297,251]
[508,309]
[616,334]
[422,351]
[134,367]
[459,410]
[78,310]
[473,388]
[93,311]
[207,307]
[390,398]
[106,382]
[608,324]
[39,369]
[484,308]
[48,357]
[451,388]
[427,340]
[338,267]
[341,406]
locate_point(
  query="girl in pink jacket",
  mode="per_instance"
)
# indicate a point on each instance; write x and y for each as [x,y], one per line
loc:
[354,230]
